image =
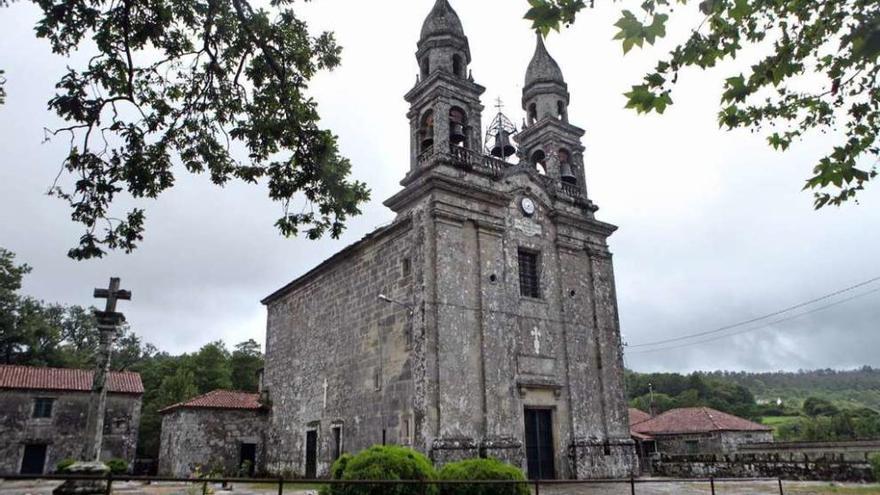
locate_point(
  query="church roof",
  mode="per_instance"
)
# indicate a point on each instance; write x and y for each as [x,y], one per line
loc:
[66,379]
[220,399]
[695,420]
[442,20]
[543,68]
[331,262]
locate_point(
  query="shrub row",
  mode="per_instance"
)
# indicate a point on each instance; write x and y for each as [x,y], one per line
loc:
[399,463]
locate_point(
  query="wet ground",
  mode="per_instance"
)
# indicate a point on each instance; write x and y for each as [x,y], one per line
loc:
[642,488]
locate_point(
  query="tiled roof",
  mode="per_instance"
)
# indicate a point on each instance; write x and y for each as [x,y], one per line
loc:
[33,378]
[695,420]
[220,399]
[637,416]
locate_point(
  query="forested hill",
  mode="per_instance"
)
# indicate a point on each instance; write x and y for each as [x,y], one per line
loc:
[755,394]
[853,388]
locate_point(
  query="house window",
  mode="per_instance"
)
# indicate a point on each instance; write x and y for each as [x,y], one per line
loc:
[529,280]
[43,407]
[692,447]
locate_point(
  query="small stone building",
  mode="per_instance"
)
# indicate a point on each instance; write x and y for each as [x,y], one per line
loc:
[483,320]
[44,413]
[699,430]
[221,431]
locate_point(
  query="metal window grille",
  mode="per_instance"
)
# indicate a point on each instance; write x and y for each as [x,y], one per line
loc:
[43,408]
[529,280]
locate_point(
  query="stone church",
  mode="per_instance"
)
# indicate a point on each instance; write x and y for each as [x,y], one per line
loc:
[483,320]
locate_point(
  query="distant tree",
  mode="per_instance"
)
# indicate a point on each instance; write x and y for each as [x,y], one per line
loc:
[819,72]
[815,406]
[212,367]
[11,275]
[246,361]
[179,387]
[181,83]
[661,403]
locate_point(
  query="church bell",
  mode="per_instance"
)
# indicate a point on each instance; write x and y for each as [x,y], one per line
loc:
[457,133]
[566,174]
[502,148]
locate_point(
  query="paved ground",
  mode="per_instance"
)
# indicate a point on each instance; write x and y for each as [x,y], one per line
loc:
[794,488]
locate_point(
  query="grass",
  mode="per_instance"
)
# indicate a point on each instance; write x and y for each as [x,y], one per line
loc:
[288,487]
[777,422]
[833,488]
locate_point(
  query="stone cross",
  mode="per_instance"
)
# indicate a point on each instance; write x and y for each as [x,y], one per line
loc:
[537,336]
[108,325]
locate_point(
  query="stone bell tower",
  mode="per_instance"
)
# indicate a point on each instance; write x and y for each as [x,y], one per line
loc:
[549,142]
[445,110]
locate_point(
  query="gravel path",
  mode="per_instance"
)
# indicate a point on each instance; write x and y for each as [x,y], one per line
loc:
[648,488]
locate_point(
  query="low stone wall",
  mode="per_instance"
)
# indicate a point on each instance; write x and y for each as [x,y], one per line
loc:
[826,461]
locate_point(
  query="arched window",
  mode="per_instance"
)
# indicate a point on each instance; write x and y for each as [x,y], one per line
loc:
[457,127]
[457,66]
[539,161]
[426,131]
[426,67]
[561,112]
[533,113]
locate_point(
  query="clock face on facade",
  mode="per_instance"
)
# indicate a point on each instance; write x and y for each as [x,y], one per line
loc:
[528,206]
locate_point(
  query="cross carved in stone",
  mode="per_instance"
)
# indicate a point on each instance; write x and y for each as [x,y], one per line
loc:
[112,294]
[536,334]
[108,325]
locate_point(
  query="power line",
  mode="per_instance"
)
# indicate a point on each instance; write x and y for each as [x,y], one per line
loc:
[760,318]
[766,325]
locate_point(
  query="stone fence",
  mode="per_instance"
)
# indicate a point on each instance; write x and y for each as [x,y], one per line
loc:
[821,461]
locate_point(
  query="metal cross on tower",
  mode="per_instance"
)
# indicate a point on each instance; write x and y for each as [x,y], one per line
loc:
[109,321]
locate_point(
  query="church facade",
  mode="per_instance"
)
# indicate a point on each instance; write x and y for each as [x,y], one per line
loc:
[483,320]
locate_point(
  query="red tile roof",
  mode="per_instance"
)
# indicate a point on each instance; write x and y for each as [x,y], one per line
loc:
[695,420]
[66,379]
[219,399]
[637,416]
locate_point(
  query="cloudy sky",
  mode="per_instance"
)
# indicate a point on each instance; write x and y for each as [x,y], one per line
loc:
[714,229]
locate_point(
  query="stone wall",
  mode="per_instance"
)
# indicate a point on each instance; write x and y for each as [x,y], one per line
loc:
[339,357]
[826,461]
[719,442]
[210,439]
[64,431]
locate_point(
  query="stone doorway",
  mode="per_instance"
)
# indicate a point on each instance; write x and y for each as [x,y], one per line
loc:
[34,459]
[248,458]
[311,455]
[539,443]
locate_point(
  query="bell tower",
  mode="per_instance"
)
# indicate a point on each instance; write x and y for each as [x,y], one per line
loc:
[445,110]
[549,142]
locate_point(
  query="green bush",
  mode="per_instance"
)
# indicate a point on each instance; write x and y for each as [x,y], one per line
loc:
[382,463]
[875,464]
[482,469]
[63,464]
[117,466]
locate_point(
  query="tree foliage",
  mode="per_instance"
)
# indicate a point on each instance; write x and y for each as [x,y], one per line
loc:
[482,470]
[382,462]
[672,390]
[819,73]
[198,83]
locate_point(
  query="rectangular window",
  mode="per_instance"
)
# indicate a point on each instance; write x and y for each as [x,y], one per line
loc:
[692,447]
[529,279]
[337,442]
[43,407]
[406,267]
